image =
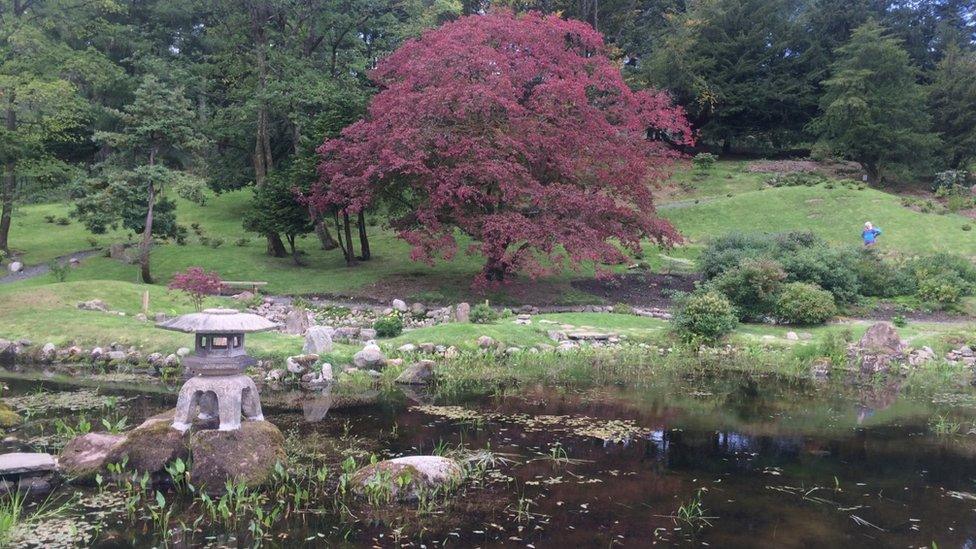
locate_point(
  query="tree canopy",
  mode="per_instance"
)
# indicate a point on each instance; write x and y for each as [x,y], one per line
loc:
[871,108]
[517,131]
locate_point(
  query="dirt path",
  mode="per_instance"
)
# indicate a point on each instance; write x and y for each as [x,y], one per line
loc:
[34,271]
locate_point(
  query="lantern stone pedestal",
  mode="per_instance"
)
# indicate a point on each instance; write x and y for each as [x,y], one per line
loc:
[223,397]
[217,386]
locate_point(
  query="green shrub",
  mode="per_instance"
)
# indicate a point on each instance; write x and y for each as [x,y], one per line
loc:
[59,270]
[879,277]
[703,317]
[751,287]
[946,182]
[623,309]
[704,161]
[63,221]
[389,326]
[216,242]
[796,179]
[833,269]
[802,303]
[945,289]
[49,219]
[727,251]
[945,263]
[899,321]
[241,242]
[482,313]
[967,227]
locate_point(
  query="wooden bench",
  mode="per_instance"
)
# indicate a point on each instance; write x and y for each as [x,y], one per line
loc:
[242,284]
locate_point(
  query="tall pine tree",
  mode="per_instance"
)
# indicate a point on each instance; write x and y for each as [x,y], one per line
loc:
[872,110]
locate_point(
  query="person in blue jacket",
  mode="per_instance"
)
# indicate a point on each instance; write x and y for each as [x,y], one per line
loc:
[870,234]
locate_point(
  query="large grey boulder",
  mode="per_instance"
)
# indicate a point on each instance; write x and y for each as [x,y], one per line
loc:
[318,340]
[409,476]
[878,349]
[462,312]
[400,305]
[882,337]
[149,447]
[15,266]
[297,322]
[300,364]
[418,373]
[85,456]
[370,357]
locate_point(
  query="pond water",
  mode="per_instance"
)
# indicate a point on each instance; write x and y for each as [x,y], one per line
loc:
[770,461]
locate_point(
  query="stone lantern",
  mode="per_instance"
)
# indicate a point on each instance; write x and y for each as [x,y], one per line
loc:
[217,384]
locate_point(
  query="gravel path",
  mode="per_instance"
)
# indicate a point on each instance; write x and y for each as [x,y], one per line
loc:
[33,271]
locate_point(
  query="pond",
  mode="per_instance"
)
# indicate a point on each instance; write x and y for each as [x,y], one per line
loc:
[717,458]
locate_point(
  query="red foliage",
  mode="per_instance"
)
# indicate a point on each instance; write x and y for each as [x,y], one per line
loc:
[197,283]
[517,130]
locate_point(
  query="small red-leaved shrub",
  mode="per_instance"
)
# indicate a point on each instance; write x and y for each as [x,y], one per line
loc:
[197,283]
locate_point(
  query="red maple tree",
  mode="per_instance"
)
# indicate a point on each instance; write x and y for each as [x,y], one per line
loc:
[197,283]
[516,130]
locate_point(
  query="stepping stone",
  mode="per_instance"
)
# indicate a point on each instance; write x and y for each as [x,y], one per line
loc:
[591,336]
[18,463]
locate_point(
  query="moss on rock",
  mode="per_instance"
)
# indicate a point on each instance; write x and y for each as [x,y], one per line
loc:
[149,447]
[248,454]
[8,417]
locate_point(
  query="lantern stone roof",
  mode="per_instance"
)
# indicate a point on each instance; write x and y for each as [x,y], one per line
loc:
[218,321]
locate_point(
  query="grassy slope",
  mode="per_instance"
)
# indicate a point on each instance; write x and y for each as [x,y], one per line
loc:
[49,313]
[837,214]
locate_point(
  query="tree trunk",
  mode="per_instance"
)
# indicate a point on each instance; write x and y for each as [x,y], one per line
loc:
[9,186]
[363,238]
[325,237]
[296,257]
[338,228]
[262,133]
[495,269]
[9,182]
[276,248]
[146,244]
[350,253]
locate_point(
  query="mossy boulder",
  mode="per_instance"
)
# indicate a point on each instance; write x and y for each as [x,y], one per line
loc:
[405,478]
[149,447]
[8,417]
[247,455]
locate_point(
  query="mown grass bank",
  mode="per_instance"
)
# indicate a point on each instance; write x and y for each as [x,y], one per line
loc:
[727,198]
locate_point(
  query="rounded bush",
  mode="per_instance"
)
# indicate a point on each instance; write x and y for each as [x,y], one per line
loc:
[482,313]
[704,161]
[752,287]
[388,326]
[946,289]
[802,303]
[703,317]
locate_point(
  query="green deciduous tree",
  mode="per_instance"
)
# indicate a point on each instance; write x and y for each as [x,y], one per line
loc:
[157,136]
[46,82]
[275,209]
[872,111]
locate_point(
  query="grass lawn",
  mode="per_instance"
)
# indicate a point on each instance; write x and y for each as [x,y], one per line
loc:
[836,214]
[49,313]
